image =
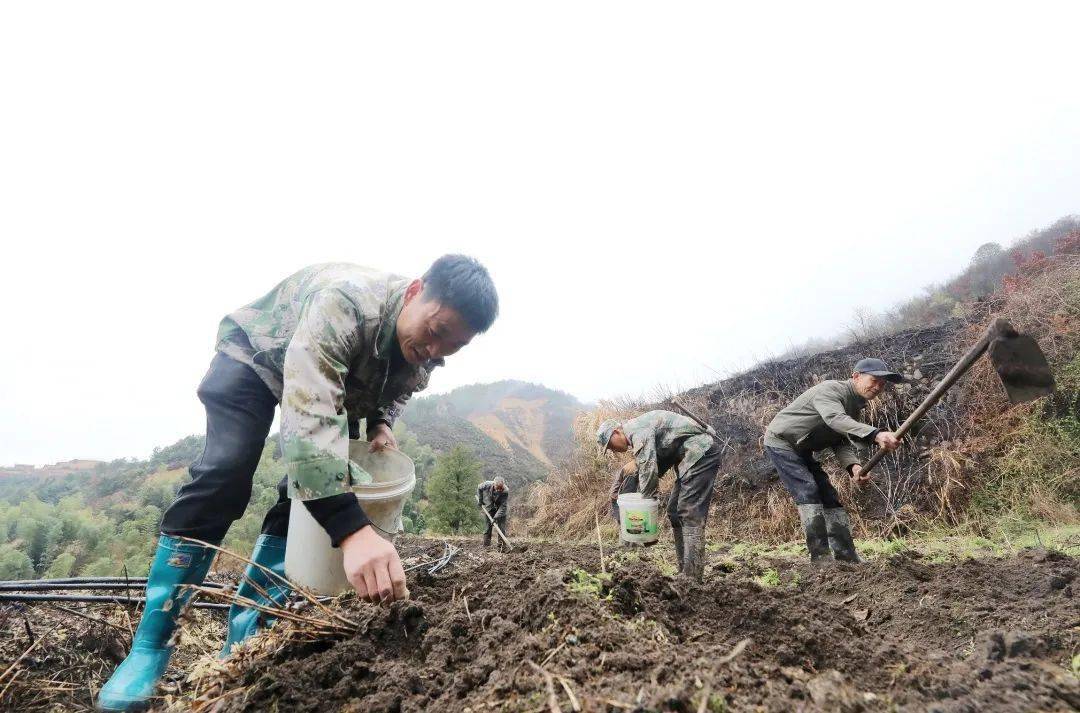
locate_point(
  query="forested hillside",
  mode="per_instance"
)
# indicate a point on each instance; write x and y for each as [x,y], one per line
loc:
[88,518]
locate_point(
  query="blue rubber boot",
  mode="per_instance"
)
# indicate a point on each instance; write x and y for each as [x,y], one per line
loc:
[243,621]
[175,563]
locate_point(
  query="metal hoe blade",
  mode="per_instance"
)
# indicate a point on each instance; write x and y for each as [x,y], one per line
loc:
[1019,363]
[1022,367]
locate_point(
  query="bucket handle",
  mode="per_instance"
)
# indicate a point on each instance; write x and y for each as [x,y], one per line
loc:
[388,534]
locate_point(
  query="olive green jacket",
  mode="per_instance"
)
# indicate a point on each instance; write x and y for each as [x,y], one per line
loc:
[823,416]
[322,341]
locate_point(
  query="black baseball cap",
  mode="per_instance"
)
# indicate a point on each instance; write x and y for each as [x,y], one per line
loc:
[876,367]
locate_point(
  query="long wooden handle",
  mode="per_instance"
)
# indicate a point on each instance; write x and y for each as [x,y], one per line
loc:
[957,371]
[497,528]
[691,414]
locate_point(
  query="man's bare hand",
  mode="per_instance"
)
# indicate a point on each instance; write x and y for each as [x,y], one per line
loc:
[373,567]
[380,437]
[887,441]
[857,475]
[629,468]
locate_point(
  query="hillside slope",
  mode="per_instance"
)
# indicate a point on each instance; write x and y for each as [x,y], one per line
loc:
[973,461]
[519,430]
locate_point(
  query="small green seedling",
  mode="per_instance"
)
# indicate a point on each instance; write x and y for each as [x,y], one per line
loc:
[582,582]
[770,578]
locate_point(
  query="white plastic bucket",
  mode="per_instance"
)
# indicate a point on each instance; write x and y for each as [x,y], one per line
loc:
[310,559]
[638,518]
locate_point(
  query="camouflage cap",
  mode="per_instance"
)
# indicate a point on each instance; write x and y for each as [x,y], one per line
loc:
[603,434]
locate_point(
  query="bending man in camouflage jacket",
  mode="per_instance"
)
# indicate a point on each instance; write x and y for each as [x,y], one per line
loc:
[661,440]
[494,498]
[825,416]
[333,344]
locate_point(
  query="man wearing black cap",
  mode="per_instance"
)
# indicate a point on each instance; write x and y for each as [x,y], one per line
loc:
[826,416]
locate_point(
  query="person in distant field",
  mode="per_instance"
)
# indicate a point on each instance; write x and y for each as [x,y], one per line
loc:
[494,498]
[825,416]
[625,480]
[331,345]
[661,440]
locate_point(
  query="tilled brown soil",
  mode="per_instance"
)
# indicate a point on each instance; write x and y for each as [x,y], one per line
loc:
[532,631]
[55,658]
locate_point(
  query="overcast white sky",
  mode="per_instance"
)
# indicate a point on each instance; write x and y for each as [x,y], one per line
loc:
[655,187]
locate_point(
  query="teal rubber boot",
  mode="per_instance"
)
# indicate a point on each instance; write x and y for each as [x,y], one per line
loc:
[175,563]
[244,621]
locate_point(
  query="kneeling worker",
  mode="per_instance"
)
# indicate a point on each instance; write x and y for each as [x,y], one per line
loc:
[332,344]
[493,497]
[825,416]
[660,440]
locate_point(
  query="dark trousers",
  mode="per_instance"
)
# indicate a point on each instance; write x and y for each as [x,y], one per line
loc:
[688,503]
[803,477]
[239,413]
[500,521]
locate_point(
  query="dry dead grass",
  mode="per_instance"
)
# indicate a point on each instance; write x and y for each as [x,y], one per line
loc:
[939,480]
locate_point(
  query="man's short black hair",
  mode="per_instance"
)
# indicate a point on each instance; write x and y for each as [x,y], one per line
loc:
[461,282]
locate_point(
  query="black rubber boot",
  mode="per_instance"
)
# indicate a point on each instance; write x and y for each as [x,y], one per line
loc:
[487,539]
[817,535]
[693,553]
[838,527]
[678,533]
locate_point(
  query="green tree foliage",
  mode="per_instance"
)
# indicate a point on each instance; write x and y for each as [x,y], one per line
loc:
[423,457]
[62,566]
[108,522]
[14,564]
[182,453]
[104,522]
[451,491]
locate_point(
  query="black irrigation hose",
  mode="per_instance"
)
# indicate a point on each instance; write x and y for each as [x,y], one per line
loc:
[75,580]
[436,563]
[92,598]
[52,585]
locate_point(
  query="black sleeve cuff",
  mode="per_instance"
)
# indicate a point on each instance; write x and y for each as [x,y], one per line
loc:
[340,515]
[869,438]
[381,415]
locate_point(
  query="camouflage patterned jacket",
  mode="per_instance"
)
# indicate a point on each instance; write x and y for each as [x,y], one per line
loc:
[322,342]
[660,440]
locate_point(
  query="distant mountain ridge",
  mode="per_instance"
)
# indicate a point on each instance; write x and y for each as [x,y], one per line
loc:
[67,467]
[518,429]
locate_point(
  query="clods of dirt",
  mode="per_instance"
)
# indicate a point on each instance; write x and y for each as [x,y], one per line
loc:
[543,628]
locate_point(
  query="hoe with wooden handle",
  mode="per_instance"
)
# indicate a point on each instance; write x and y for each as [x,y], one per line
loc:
[1017,360]
[497,529]
[693,416]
